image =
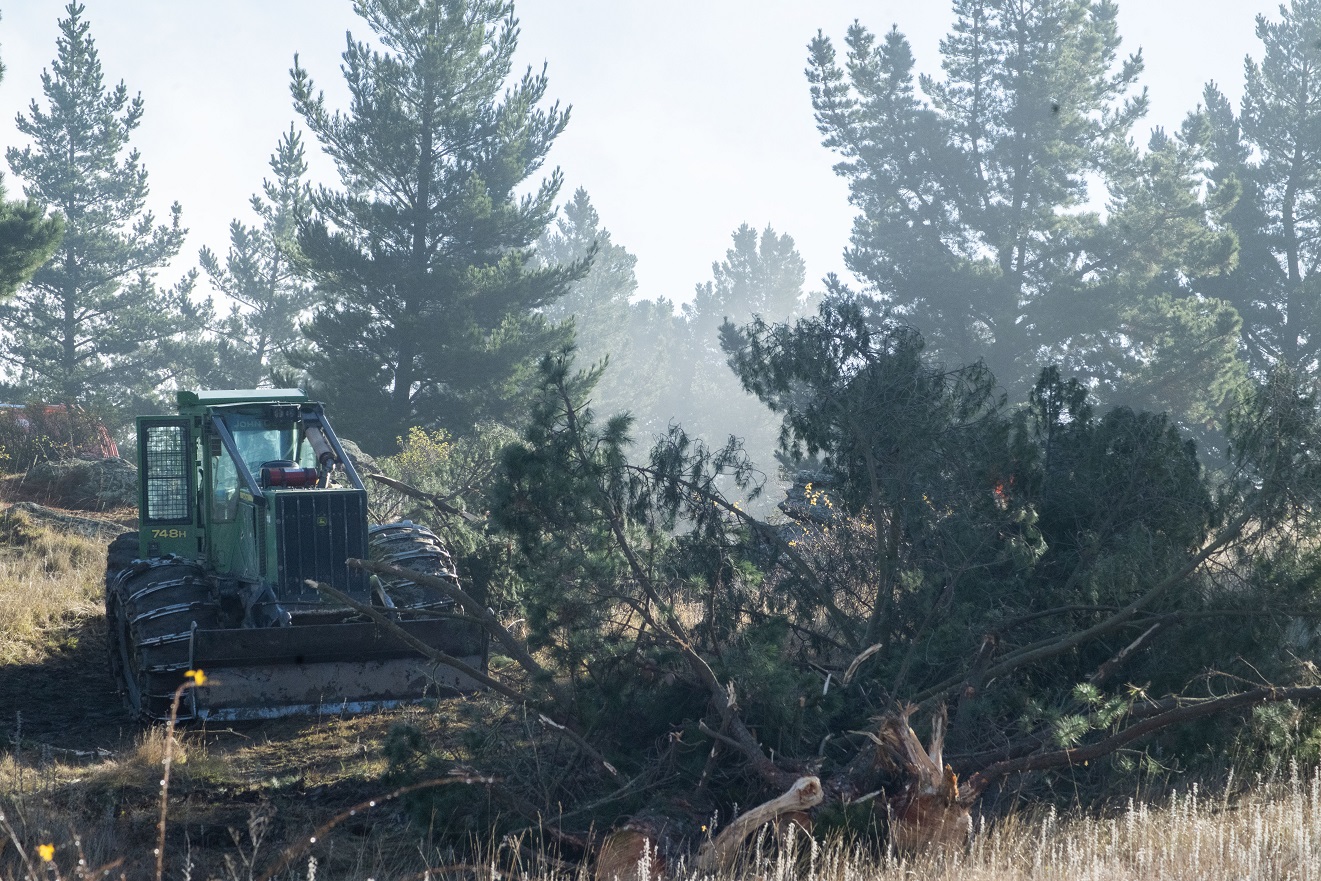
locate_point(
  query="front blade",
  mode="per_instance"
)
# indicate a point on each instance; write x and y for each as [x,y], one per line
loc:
[328,668]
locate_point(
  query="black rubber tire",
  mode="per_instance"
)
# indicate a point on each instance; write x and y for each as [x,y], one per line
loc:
[121,553]
[151,609]
[412,546]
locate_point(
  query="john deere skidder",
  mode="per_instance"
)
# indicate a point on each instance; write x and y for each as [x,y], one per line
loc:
[244,498]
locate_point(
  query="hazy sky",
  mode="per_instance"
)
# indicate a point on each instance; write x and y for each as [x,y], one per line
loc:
[689,117]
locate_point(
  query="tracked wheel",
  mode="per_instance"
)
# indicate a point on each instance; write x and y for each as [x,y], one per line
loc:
[120,555]
[152,607]
[412,546]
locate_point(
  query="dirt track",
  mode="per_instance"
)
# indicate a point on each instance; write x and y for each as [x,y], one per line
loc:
[73,730]
[68,701]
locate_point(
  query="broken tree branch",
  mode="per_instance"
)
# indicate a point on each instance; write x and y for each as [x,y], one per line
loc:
[431,499]
[719,854]
[476,610]
[1106,670]
[1053,646]
[1077,755]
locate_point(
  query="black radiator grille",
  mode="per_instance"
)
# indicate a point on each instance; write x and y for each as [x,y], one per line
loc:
[315,532]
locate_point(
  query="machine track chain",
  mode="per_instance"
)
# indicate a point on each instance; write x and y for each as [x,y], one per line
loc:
[151,609]
[412,546]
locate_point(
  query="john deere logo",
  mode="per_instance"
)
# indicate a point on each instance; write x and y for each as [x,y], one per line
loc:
[323,520]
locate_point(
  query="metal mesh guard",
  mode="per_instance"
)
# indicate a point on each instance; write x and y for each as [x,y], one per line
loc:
[167,473]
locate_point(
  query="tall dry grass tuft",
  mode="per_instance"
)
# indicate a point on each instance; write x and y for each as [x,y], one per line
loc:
[139,767]
[49,582]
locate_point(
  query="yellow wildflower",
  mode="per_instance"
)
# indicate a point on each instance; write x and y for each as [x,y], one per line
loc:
[46,852]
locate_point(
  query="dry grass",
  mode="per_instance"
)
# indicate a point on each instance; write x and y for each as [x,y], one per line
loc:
[49,583]
[236,801]
[1270,833]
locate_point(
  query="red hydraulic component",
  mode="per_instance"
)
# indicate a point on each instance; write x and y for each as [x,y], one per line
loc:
[288,476]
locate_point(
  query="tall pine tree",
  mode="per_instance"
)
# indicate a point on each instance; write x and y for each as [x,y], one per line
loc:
[1172,346]
[976,196]
[597,303]
[761,276]
[93,325]
[972,221]
[1272,149]
[261,279]
[423,261]
[27,237]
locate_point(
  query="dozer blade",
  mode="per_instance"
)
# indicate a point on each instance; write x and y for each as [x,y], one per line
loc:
[312,669]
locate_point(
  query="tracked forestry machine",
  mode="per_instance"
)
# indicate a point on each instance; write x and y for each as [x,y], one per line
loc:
[244,498]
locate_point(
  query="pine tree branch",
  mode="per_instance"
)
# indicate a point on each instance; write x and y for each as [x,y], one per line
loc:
[1053,647]
[1064,758]
[475,610]
[722,696]
[766,530]
[431,499]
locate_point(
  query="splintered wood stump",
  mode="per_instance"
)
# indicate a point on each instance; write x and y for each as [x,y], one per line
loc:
[927,811]
[925,821]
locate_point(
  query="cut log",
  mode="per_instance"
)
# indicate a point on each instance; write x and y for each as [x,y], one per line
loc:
[645,848]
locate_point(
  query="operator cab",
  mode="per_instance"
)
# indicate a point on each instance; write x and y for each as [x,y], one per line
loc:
[269,445]
[273,449]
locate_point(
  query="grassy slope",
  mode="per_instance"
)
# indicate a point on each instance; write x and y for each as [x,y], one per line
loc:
[77,774]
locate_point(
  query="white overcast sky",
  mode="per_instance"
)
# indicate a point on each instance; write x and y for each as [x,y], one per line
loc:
[689,117]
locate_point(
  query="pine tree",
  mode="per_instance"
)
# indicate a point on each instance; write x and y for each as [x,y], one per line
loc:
[27,240]
[1163,343]
[422,263]
[762,275]
[93,325]
[27,237]
[261,278]
[1272,149]
[972,223]
[598,303]
[647,379]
